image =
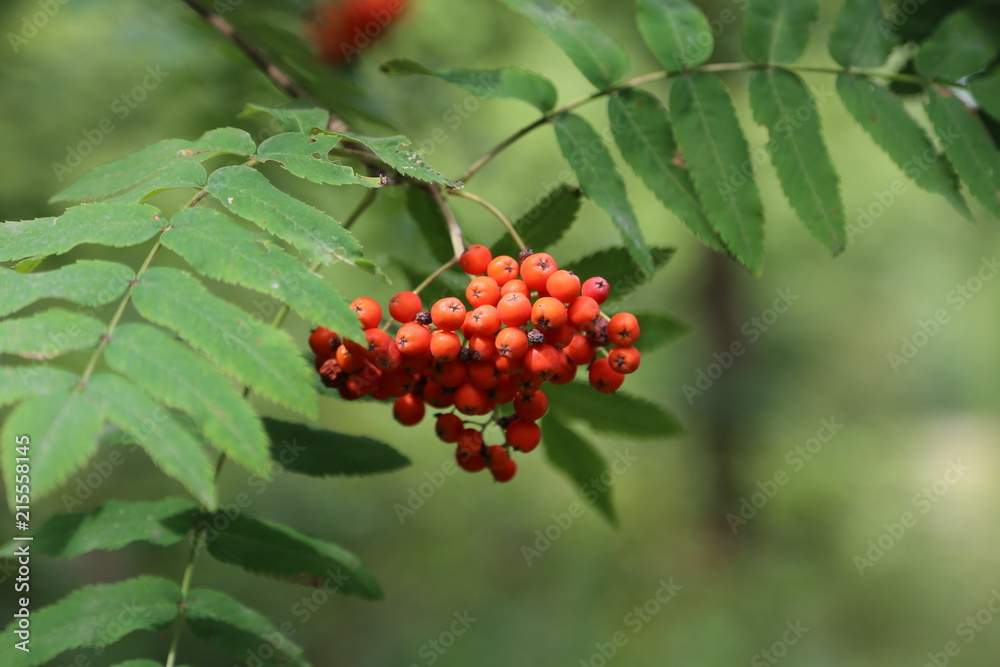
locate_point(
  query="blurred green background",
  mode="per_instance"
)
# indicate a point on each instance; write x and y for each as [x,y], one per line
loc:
[794,564]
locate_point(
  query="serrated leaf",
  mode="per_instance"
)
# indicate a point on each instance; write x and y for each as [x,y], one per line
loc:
[398,153]
[600,181]
[239,630]
[861,35]
[177,377]
[94,617]
[63,428]
[715,150]
[87,283]
[677,32]
[20,382]
[112,526]
[295,116]
[177,176]
[430,221]
[168,444]
[308,157]
[116,225]
[658,330]
[598,57]
[580,461]
[260,357]
[883,116]
[986,89]
[616,414]
[778,31]
[272,550]
[645,138]
[139,663]
[782,103]
[247,193]
[504,83]
[49,334]
[28,265]
[126,172]
[616,266]
[546,222]
[968,146]
[964,43]
[318,452]
[221,249]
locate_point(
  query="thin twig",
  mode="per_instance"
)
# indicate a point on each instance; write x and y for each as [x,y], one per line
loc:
[492,209]
[457,244]
[437,274]
[362,206]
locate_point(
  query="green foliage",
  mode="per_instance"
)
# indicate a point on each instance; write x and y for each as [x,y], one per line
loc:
[676,31]
[777,31]
[614,414]
[616,266]
[318,452]
[860,37]
[580,461]
[658,330]
[308,157]
[49,334]
[20,382]
[966,41]
[430,222]
[545,223]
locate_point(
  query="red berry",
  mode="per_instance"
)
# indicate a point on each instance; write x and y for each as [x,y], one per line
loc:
[523,435]
[469,452]
[503,269]
[485,321]
[603,378]
[514,309]
[471,400]
[624,359]
[482,291]
[584,312]
[321,342]
[531,407]
[516,285]
[536,269]
[548,313]
[512,343]
[623,329]
[408,410]
[597,289]
[445,345]
[563,285]
[413,339]
[448,427]
[475,259]
[448,314]
[368,311]
[404,306]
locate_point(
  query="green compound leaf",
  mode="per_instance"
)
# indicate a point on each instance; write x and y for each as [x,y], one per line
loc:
[177,377]
[715,148]
[131,170]
[116,225]
[861,36]
[398,154]
[579,460]
[247,193]
[308,157]
[646,140]
[264,359]
[219,248]
[239,630]
[177,176]
[20,382]
[782,103]
[272,550]
[968,146]
[778,31]
[49,334]
[677,32]
[616,414]
[986,89]
[545,223]
[597,56]
[296,116]
[505,83]
[168,444]
[63,428]
[112,526]
[964,43]
[600,181]
[430,221]
[94,617]
[658,330]
[318,452]
[883,116]
[615,266]
[87,283]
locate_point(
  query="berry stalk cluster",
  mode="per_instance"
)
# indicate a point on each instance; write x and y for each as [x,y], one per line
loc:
[523,323]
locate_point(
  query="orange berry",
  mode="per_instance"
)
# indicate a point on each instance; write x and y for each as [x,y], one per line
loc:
[503,269]
[482,291]
[625,360]
[485,321]
[350,357]
[505,391]
[514,309]
[536,269]
[623,329]
[408,410]
[368,311]
[484,374]
[565,372]
[515,285]
[523,435]
[471,400]
[548,313]
[437,396]
[584,313]
[448,314]
[445,345]
[321,341]
[404,306]
[509,366]
[413,339]
[450,374]
[561,337]
[563,285]
[483,348]
[512,343]
[603,378]
[580,351]
[531,407]
[475,259]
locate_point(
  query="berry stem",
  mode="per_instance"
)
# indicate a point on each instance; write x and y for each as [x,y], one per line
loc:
[360,209]
[437,274]
[457,244]
[492,209]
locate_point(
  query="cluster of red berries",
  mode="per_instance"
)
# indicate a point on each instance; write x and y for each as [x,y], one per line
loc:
[527,322]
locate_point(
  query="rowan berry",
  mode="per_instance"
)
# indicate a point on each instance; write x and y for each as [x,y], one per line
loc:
[523,435]
[450,374]
[623,329]
[515,285]
[528,383]
[536,269]
[471,400]
[531,407]
[625,360]
[514,309]
[377,344]
[475,259]
[397,382]
[584,312]
[561,337]
[448,427]
[482,291]
[596,288]
[548,313]
[509,366]
[445,345]
[368,311]
[603,378]
[485,321]
[563,285]
[448,314]
[580,351]
[416,363]
[483,348]
[502,467]
[437,396]
[505,391]
[408,410]
[350,356]
[503,269]
[512,343]
[413,339]
[469,452]
[484,374]
[404,306]
[323,343]
[565,372]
